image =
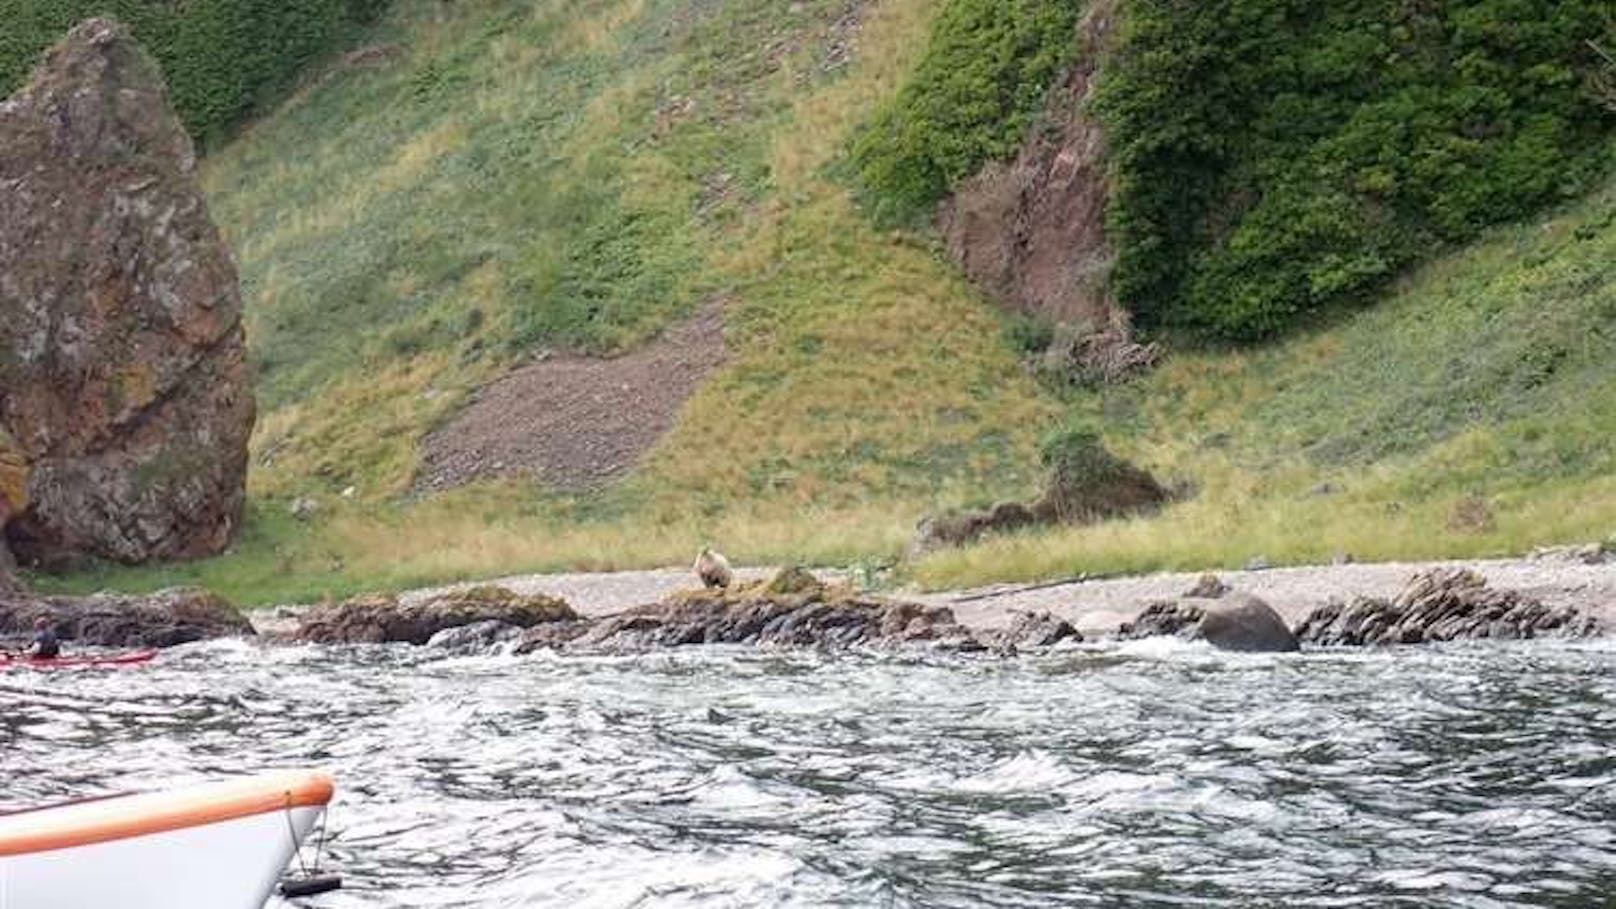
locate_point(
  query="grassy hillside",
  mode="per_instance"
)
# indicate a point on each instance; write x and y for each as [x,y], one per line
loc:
[488,178]
[500,176]
[1468,413]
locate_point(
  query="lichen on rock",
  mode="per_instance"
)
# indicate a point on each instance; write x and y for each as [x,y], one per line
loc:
[384,618]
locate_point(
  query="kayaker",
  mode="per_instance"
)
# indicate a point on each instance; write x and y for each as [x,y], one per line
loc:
[45,645]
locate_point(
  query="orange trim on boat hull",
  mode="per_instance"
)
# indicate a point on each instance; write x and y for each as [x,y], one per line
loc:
[123,817]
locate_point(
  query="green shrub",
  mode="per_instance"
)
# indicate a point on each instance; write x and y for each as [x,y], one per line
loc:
[221,58]
[1087,482]
[971,100]
[1028,334]
[1076,450]
[1275,157]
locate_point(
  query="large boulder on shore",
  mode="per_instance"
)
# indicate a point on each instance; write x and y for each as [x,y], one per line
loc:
[1240,621]
[382,618]
[1442,604]
[125,400]
[1211,612]
[179,615]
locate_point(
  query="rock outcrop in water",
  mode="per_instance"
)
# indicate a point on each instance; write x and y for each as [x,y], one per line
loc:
[1211,612]
[380,619]
[1031,630]
[178,615]
[125,401]
[1443,604]
[792,609]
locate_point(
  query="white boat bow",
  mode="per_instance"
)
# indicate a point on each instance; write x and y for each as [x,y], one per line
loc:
[214,846]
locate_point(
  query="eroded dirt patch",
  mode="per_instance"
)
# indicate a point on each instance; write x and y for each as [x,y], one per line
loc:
[1031,232]
[575,422]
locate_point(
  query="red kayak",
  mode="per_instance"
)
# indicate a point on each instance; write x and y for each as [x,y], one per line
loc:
[8,660]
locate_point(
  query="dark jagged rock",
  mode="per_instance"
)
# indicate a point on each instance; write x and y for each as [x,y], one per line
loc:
[792,609]
[125,399]
[1032,630]
[178,615]
[1163,618]
[1232,621]
[1443,604]
[554,635]
[801,620]
[378,619]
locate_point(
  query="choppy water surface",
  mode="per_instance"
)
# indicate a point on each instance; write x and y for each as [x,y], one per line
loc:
[1152,776]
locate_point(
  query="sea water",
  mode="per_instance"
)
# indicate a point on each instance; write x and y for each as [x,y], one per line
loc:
[1152,774]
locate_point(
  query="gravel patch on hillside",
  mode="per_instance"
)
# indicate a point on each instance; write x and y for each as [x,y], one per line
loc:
[575,421]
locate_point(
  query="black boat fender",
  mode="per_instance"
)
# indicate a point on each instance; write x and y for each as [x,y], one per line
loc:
[309,886]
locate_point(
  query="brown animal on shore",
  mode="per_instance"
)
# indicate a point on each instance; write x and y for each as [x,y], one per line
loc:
[713,569]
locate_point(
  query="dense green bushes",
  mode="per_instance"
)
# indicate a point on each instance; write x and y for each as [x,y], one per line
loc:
[221,58]
[1271,157]
[982,80]
[1279,156]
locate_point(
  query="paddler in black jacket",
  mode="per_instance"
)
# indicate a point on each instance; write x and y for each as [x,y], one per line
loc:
[45,645]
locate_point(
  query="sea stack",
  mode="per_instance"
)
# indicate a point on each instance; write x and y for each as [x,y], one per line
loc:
[125,399]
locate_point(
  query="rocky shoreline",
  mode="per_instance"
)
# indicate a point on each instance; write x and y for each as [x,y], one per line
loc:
[1568,595]
[1345,605]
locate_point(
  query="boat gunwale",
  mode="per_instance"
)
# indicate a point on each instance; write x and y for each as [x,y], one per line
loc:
[89,821]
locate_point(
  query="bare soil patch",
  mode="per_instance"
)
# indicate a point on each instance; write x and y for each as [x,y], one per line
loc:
[1031,232]
[573,421]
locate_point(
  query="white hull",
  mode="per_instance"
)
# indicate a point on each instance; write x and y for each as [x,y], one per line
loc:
[232,864]
[217,846]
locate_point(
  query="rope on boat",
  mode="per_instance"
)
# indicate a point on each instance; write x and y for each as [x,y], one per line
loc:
[310,883]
